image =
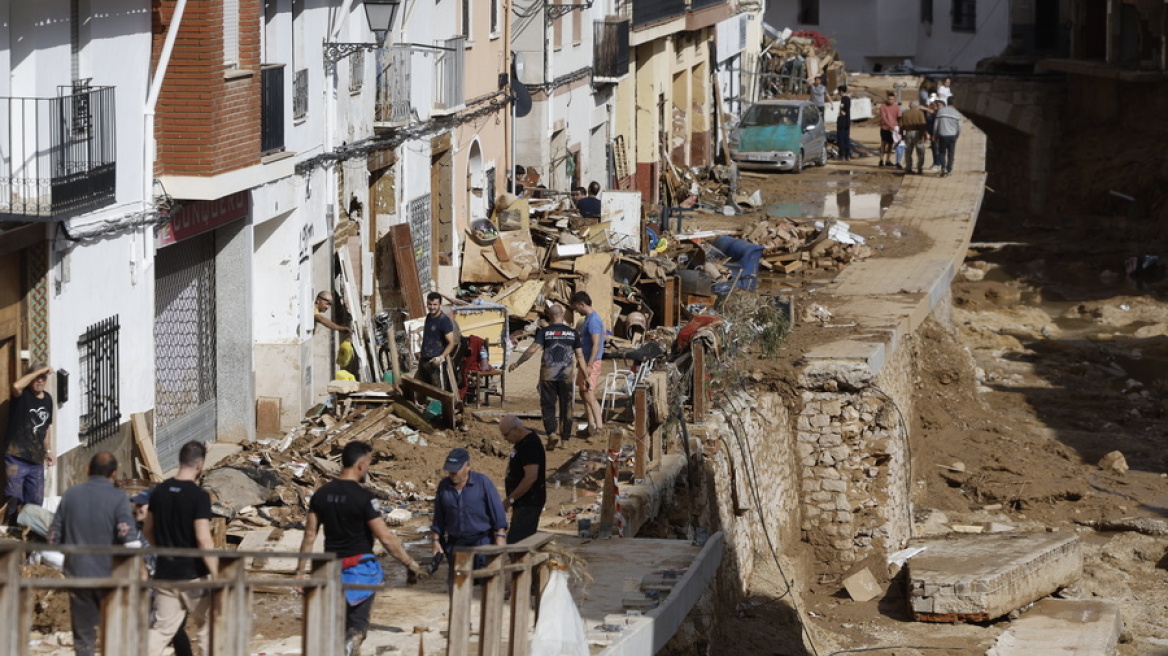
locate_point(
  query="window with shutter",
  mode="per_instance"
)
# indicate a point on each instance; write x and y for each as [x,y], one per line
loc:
[231,33]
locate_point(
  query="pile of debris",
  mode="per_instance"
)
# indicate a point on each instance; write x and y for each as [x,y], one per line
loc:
[791,60]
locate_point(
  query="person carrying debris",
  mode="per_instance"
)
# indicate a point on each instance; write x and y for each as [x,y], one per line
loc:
[467,511]
[438,342]
[526,481]
[28,449]
[179,517]
[95,513]
[562,356]
[592,344]
[351,518]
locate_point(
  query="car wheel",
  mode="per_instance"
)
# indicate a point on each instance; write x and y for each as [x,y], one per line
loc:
[798,168]
[822,161]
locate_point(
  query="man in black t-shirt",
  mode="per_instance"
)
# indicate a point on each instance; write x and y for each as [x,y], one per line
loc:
[180,517]
[351,517]
[561,355]
[526,478]
[438,342]
[28,450]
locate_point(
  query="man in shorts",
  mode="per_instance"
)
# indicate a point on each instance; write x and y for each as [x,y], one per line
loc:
[889,118]
[592,344]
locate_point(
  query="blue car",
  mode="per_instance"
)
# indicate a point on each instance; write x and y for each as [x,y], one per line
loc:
[783,135]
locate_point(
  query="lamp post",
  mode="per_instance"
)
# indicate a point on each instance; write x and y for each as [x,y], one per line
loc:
[380,15]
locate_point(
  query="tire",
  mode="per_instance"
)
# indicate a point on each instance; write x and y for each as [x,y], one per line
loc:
[798,168]
[822,161]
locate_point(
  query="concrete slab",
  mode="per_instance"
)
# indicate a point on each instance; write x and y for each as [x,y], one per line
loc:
[977,578]
[1063,627]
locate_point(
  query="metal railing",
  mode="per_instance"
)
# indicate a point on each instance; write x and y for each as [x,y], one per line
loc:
[449,75]
[100,409]
[610,48]
[514,565]
[125,610]
[300,94]
[272,108]
[58,155]
[652,11]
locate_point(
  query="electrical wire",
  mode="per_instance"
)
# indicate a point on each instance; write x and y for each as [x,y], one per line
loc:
[751,476]
[866,649]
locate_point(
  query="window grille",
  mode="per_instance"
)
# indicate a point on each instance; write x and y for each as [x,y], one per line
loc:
[964,15]
[98,351]
[300,94]
[356,71]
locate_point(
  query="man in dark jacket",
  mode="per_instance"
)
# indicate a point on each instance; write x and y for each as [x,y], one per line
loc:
[96,513]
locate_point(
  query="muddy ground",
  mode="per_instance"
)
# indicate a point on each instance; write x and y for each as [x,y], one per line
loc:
[1055,359]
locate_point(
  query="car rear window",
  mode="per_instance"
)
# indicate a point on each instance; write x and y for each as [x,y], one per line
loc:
[771,115]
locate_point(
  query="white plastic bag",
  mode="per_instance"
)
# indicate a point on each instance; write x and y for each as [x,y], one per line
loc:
[559,631]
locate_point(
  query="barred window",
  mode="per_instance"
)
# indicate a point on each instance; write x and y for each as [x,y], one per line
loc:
[98,351]
[964,15]
[300,94]
[356,71]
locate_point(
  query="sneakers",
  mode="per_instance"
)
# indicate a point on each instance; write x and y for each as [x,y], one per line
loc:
[935,167]
[898,166]
[552,441]
[353,644]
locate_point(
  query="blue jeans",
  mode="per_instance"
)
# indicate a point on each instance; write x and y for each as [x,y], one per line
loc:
[946,146]
[26,484]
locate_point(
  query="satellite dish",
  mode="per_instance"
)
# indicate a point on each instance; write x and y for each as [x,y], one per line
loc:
[520,94]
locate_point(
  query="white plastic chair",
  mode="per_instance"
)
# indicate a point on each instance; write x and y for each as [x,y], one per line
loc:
[621,383]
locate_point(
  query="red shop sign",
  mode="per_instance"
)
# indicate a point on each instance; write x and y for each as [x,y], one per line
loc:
[201,216]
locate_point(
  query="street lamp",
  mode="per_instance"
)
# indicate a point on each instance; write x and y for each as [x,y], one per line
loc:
[380,14]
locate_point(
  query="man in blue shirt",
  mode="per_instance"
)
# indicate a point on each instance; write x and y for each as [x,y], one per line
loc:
[592,343]
[589,205]
[467,510]
[438,342]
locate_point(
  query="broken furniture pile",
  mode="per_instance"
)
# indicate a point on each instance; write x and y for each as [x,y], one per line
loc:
[791,60]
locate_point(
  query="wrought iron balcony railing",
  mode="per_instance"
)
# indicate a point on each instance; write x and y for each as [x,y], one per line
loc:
[58,155]
[272,108]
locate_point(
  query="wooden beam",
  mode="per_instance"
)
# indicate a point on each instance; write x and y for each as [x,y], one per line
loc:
[415,390]
[145,442]
[519,636]
[458,633]
[699,380]
[640,429]
[611,469]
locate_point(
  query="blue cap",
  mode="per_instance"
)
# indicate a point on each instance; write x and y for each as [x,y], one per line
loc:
[456,459]
[142,498]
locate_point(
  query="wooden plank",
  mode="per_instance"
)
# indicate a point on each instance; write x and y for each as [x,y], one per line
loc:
[519,637]
[406,266]
[699,380]
[491,622]
[640,429]
[458,634]
[277,540]
[145,442]
[611,469]
[521,301]
[417,391]
[500,250]
[357,324]
[597,271]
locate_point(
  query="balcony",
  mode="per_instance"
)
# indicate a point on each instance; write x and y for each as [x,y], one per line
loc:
[610,50]
[272,108]
[646,12]
[57,155]
[443,79]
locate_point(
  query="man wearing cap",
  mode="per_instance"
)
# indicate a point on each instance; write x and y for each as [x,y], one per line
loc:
[28,449]
[91,513]
[562,356]
[467,510]
[351,517]
[526,479]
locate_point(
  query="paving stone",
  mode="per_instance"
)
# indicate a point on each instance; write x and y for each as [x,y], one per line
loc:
[978,578]
[1063,627]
